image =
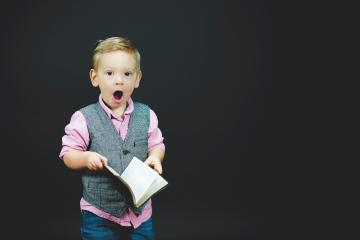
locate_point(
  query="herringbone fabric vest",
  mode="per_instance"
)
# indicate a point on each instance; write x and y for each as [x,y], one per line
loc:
[100,188]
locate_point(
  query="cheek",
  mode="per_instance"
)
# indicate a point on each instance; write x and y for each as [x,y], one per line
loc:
[128,90]
[105,88]
[106,84]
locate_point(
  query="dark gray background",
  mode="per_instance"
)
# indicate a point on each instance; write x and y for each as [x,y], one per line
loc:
[257,101]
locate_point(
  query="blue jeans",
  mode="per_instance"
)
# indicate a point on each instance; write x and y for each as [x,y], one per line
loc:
[97,228]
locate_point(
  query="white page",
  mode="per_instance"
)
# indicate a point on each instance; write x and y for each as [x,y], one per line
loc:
[158,183]
[112,170]
[139,176]
[141,179]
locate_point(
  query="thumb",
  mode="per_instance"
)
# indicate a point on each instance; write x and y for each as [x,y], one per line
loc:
[158,168]
[147,161]
[103,159]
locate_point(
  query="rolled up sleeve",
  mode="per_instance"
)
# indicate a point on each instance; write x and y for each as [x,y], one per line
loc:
[155,138]
[76,134]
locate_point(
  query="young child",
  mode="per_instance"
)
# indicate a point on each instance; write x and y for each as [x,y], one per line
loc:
[113,131]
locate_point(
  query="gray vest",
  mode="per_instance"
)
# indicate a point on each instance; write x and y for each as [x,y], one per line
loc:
[100,188]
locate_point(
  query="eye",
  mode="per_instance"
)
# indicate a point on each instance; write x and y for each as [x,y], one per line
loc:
[128,74]
[109,73]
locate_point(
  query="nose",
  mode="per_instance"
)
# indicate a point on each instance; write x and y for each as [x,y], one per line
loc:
[119,80]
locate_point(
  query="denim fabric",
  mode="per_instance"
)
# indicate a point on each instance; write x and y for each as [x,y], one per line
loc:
[97,228]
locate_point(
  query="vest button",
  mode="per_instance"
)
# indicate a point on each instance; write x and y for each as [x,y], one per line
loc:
[125,152]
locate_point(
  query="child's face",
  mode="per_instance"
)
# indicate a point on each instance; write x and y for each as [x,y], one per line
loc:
[116,76]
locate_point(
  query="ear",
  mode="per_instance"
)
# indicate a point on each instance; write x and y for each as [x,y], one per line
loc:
[93,77]
[138,78]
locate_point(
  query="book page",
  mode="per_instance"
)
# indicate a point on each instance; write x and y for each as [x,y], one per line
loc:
[135,183]
[142,180]
[112,170]
[117,175]
[139,176]
[158,184]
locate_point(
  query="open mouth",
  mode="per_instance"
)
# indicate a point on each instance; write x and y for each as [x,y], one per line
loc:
[118,94]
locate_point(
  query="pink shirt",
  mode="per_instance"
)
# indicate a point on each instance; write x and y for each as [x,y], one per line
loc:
[77,138]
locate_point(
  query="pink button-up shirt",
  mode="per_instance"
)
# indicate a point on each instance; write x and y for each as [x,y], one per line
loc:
[77,138]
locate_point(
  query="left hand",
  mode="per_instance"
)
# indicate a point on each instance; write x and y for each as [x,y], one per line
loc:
[155,163]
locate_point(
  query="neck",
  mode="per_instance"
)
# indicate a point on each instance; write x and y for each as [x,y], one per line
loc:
[119,112]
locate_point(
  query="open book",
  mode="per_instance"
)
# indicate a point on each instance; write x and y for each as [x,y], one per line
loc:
[142,181]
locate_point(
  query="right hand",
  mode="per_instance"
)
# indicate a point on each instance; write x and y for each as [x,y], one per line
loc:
[95,161]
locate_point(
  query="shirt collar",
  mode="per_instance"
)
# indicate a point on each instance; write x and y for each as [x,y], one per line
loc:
[129,108]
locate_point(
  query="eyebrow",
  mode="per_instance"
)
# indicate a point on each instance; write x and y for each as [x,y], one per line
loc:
[126,68]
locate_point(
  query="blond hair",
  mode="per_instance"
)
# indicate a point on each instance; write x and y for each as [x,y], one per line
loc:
[114,44]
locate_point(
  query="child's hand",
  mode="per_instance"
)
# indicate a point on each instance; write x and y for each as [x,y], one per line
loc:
[154,163]
[95,161]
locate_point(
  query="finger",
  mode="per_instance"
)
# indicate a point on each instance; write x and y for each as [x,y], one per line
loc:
[98,165]
[104,162]
[147,161]
[102,157]
[93,166]
[158,168]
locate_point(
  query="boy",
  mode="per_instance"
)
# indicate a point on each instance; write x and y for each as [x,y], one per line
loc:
[113,131]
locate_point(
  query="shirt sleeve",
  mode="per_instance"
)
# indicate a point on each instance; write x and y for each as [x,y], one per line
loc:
[155,138]
[76,134]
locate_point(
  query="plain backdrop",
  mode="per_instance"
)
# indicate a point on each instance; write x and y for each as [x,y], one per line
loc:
[257,101]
